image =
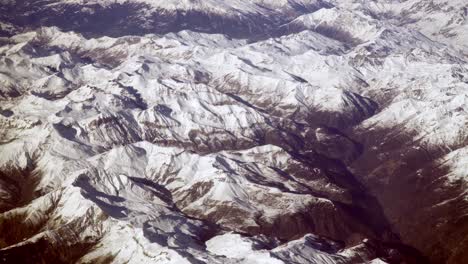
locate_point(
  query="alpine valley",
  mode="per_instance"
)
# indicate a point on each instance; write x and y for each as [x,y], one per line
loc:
[234,131]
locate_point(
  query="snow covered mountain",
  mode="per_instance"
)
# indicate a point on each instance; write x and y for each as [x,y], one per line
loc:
[265,131]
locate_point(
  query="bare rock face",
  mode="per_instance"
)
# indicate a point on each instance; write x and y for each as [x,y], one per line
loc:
[305,131]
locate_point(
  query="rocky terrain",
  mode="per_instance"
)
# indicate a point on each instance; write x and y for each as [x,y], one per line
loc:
[264,131]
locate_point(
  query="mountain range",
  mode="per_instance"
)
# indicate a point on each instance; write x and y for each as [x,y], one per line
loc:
[262,131]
